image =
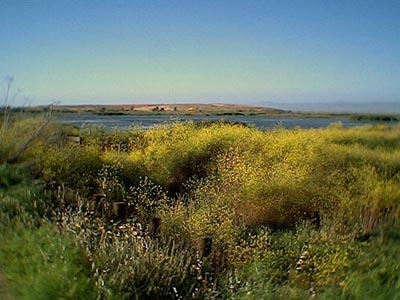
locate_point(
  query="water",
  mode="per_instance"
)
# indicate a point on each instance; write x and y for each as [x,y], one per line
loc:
[260,122]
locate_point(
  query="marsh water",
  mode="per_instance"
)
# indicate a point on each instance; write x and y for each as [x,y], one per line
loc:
[148,121]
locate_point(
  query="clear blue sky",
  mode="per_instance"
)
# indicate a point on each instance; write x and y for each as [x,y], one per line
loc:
[201,51]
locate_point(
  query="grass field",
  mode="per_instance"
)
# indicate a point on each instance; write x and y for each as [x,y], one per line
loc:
[199,211]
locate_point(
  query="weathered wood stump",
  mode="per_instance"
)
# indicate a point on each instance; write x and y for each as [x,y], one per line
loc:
[204,246]
[120,210]
[74,139]
[154,227]
[96,200]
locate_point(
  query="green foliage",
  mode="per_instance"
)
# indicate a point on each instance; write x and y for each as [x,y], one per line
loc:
[374,273]
[41,264]
[150,271]
[291,214]
[10,176]
[147,199]
[19,135]
[378,118]
[176,153]
[20,200]
[73,165]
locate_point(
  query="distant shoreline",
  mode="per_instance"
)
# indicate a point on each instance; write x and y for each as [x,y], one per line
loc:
[175,109]
[213,109]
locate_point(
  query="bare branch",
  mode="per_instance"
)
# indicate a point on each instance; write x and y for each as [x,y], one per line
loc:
[6,114]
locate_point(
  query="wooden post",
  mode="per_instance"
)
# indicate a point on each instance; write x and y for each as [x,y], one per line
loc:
[154,228]
[120,210]
[74,139]
[219,260]
[205,246]
[96,200]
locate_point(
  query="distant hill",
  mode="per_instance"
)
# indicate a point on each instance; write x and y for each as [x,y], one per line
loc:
[201,109]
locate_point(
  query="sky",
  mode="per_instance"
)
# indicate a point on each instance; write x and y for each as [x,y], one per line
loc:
[250,51]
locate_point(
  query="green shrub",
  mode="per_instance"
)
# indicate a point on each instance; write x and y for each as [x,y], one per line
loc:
[75,166]
[41,264]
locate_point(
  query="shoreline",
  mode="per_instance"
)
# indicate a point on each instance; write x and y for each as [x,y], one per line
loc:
[197,109]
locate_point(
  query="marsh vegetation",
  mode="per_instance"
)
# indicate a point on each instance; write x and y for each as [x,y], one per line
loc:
[199,211]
